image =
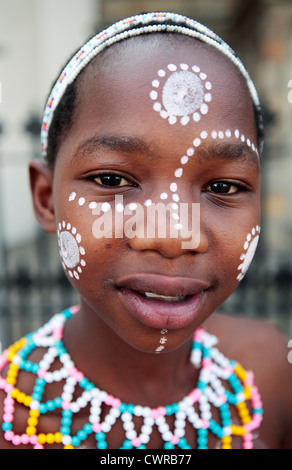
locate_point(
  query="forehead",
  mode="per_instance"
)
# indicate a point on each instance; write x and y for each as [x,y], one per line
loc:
[165,78]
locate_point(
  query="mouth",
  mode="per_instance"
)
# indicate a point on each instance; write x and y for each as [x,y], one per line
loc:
[160,301]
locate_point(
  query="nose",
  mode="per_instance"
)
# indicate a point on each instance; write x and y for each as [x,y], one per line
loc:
[170,232]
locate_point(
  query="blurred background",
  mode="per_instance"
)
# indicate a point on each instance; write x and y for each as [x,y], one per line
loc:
[36,39]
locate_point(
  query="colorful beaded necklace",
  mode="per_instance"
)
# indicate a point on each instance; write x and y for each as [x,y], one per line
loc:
[209,393]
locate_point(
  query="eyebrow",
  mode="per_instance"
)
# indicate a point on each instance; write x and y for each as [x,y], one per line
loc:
[217,150]
[122,144]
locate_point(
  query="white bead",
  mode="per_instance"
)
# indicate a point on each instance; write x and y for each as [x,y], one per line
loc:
[126,417]
[128,425]
[105,427]
[166,436]
[144,438]
[146,429]
[131,435]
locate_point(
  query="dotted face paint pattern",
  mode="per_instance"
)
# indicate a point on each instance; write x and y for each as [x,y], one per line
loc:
[185,93]
[249,246]
[71,252]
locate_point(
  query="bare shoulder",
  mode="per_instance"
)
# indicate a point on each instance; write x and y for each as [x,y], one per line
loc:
[263,348]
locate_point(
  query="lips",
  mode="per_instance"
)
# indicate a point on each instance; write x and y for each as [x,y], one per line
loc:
[160,301]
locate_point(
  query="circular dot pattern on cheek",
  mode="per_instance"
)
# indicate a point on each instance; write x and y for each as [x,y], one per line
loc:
[71,252]
[250,246]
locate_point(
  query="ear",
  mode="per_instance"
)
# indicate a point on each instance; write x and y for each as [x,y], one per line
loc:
[41,184]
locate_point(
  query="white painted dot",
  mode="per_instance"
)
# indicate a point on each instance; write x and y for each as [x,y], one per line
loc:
[178,172]
[148,202]
[92,205]
[184,160]
[204,135]
[68,226]
[175,197]
[81,201]
[184,66]
[82,262]
[157,107]
[161,73]
[248,142]
[248,237]
[237,133]
[132,206]
[246,245]
[72,196]
[172,119]
[163,196]
[185,120]
[64,224]
[82,251]
[173,187]
[172,67]
[153,95]
[221,135]
[204,108]
[242,138]
[155,83]
[203,76]
[105,207]
[164,114]
[74,231]
[175,216]
[78,237]
[208,97]
[174,206]
[178,226]
[228,133]
[208,86]
[196,117]
[214,134]
[197,142]
[190,151]
[119,207]
[253,231]
[196,69]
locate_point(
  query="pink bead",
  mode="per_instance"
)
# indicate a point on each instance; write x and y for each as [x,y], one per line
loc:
[207,363]
[9,409]
[223,398]
[42,373]
[249,379]
[116,403]
[8,435]
[161,411]
[205,423]
[154,414]
[136,442]
[74,309]
[66,405]
[58,333]
[96,427]
[174,439]
[198,335]
[8,401]
[195,395]
[8,417]
[109,400]
[24,439]
[247,445]
[38,446]
[16,440]
[33,439]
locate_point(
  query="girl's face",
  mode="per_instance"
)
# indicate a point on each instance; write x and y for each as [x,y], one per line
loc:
[159,124]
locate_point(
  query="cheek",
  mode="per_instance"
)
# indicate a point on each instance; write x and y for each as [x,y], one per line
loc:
[249,249]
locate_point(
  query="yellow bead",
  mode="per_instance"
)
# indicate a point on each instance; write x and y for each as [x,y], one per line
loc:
[34,413]
[226,440]
[247,392]
[226,446]
[238,430]
[69,446]
[11,380]
[31,430]
[27,400]
[14,393]
[58,437]
[42,439]
[50,438]
[32,421]
[240,372]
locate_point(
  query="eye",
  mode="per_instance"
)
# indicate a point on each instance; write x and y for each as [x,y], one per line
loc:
[222,187]
[112,180]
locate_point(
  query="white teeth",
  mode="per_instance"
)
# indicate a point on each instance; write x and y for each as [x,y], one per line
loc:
[166,298]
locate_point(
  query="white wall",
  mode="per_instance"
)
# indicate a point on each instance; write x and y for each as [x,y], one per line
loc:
[36,39]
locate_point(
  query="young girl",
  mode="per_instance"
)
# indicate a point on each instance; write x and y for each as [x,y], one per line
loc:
[152,140]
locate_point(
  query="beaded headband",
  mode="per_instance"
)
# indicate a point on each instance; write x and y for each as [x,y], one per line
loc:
[130,27]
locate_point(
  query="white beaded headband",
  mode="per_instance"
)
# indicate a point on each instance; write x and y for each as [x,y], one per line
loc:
[130,27]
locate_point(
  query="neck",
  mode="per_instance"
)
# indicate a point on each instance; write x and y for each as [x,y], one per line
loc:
[129,374]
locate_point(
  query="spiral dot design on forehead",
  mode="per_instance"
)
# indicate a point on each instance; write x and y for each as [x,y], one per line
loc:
[185,93]
[130,27]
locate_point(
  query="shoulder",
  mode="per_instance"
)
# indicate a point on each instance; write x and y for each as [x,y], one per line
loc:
[262,348]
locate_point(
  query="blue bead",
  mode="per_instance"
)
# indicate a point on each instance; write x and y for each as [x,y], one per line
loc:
[100,436]
[65,430]
[168,445]
[101,445]
[127,445]
[75,441]
[7,426]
